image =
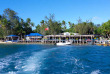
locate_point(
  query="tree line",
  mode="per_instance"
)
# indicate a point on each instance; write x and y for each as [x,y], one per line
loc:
[83,28]
[11,23]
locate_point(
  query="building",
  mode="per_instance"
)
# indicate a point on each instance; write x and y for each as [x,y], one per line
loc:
[12,38]
[66,33]
[75,38]
[34,37]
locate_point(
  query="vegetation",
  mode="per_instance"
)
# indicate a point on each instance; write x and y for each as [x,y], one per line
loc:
[11,23]
[54,26]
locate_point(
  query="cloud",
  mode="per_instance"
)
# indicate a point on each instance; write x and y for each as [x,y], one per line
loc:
[96,18]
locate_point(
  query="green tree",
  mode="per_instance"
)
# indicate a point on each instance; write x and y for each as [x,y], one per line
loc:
[43,26]
[38,28]
[4,29]
[71,27]
[28,26]
[84,28]
[106,29]
[63,25]
[98,30]
[10,23]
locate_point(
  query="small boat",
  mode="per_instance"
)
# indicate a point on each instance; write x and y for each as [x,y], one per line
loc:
[103,43]
[66,43]
[11,41]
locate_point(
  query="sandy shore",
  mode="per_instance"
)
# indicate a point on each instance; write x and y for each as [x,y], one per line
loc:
[7,42]
[2,42]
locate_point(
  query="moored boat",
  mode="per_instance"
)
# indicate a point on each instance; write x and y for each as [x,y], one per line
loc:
[104,43]
[66,43]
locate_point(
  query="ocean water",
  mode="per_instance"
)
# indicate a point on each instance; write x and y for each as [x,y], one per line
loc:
[52,59]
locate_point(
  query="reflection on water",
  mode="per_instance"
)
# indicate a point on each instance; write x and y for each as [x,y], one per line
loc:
[51,59]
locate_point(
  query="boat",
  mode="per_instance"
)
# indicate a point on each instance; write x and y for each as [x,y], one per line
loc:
[104,43]
[11,41]
[66,43]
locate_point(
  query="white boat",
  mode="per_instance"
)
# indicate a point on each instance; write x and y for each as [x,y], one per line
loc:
[11,41]
[66,43]
[8,41]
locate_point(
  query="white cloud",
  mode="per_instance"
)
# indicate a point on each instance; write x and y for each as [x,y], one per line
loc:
[96,18]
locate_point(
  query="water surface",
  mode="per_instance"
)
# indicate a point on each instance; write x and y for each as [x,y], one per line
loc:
[52,59]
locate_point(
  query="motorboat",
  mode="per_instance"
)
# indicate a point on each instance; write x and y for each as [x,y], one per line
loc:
[11,41]
[8,41]
[66,43]
[104,43]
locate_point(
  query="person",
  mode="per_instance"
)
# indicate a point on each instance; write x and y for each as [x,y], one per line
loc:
[27,38]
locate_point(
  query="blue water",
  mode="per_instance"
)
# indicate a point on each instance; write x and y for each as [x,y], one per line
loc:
[52,59]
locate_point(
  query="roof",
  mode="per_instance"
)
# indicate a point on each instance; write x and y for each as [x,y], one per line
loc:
[34,34]
[12,36]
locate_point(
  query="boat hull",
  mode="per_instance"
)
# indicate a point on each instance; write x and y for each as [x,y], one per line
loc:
[63,43]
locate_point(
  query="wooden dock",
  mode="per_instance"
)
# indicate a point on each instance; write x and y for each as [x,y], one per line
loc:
[52,39]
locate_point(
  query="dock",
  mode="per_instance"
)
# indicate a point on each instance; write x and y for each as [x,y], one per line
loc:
[52,39]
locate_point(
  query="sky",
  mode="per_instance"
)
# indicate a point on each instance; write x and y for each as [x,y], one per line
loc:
[98,11]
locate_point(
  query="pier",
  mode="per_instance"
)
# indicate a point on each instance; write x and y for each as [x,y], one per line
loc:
[52,39]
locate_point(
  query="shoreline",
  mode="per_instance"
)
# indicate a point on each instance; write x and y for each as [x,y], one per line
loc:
[12,43]
[43,43]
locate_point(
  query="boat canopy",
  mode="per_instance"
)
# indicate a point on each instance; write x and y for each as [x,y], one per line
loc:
[34,34]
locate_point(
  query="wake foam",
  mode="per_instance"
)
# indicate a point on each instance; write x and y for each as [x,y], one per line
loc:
[35,62]
[5,62]
[32,64]
[11,72]
[95,72]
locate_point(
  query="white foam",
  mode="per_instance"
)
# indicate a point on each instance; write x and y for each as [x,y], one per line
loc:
[76,60]
[25,64]
[34,62]
[11,72]
[5,62]
[95,72]
[78,64]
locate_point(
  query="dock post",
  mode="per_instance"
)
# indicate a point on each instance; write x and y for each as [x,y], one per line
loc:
[91,40]
[55,39]
[77,40]
[83,40]
[80,39]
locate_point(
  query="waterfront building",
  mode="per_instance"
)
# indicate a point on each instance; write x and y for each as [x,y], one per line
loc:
[34,37]
[90,39]
[66,33]
[1,39]
[62,37]
[12,38]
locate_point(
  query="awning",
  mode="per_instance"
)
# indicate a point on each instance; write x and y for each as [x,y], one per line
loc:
[34,34]
[12,36]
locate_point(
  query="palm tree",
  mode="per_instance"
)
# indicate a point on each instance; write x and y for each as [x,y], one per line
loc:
[69,24]
[29,23]
[64,25]
[42,22]
[42,27]
[28,20]
[3,24]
